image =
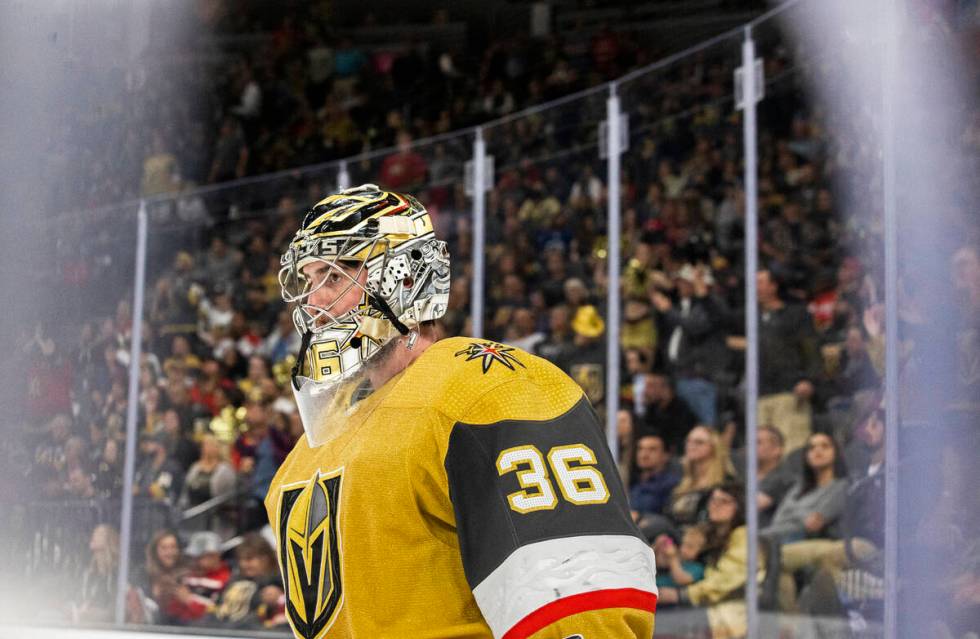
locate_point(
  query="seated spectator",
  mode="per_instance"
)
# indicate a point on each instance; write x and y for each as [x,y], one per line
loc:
[586,362]
[716,602]
[158,477]
[705,467]
[209,574]
[405,169]
[210,476]
[862,526]
[108,471]
[257,569]
[678,565]
[816,501]
[776,474]
[655,478]
[522,331]
[663,412]
[166,569]
[97,599]
[261,449]
[558,347]
[283,341]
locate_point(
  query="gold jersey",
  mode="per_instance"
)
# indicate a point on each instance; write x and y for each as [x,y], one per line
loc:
[473,495]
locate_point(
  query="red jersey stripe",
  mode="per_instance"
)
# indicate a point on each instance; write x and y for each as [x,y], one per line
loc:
[574,604]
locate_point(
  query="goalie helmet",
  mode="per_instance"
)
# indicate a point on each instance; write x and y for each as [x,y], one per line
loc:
[376,242]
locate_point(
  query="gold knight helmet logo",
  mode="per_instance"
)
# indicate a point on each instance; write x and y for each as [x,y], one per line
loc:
[309,553]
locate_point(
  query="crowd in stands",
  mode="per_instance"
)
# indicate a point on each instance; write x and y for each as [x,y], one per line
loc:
[304,92]
[216,416]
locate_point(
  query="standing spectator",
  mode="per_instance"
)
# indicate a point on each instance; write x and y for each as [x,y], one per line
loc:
[788,364]
[694,349]
[586,363]
[816,501]
[655,480]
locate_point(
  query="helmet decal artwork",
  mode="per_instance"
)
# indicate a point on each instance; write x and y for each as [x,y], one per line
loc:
[379,243]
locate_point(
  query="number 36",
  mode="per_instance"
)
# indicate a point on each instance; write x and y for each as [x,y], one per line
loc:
[579,484]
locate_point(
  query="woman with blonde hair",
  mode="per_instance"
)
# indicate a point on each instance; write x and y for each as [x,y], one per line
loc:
[705,466]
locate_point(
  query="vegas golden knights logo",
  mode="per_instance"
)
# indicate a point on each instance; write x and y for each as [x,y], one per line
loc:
[309,553]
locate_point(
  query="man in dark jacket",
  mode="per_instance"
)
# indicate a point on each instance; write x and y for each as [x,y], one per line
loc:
[788,363]
[665,413]
[693,346]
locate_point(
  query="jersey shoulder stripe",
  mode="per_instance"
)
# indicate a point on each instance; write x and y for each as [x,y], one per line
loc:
[543,582]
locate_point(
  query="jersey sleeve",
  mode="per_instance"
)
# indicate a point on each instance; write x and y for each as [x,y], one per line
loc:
[547,542]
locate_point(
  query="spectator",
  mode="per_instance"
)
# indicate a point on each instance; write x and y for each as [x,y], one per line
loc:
[862,528]
[283,341]
[165,568]
[109,471]
[787,364]
[230,153]
[694,350]
[705,467]
[240,603]
[261,450]
[586,361]
[714,603]
[210,476]
[814,504]
[776,474]
[663,412]
[160,171]
[404,170]
[680,563]
[523,331]
[158,477]
[655,479]
[97,600]
[209,574]
[559,345]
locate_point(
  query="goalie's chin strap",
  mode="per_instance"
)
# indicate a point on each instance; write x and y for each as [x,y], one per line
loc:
[383,308]
[298,366]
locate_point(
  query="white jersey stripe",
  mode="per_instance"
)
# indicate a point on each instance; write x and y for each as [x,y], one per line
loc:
[543,572]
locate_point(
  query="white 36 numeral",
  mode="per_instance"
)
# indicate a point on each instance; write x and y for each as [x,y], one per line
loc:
[579,484]
[535,478]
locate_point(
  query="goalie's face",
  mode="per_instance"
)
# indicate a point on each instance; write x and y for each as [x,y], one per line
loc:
[335,289]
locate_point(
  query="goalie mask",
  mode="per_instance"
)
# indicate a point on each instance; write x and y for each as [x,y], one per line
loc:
[364,268]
